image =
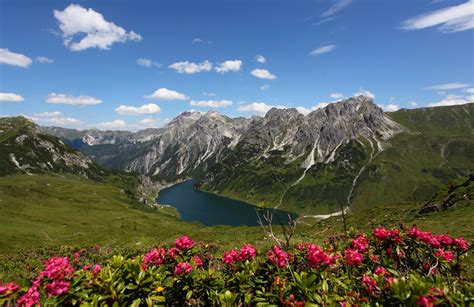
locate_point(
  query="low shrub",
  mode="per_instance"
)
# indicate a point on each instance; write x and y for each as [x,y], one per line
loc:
[388,267]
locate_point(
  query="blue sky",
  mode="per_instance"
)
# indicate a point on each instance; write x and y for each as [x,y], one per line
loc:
[137,64]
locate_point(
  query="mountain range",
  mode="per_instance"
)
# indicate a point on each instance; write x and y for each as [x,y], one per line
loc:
[349,153]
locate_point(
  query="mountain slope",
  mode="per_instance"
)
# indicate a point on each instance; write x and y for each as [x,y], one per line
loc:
[25,148]
[438,147]
[348,153]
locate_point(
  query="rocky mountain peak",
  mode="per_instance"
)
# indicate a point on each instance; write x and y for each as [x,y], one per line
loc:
[194,141]
[286,114]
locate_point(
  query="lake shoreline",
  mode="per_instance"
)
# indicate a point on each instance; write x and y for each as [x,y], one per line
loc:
[211,209]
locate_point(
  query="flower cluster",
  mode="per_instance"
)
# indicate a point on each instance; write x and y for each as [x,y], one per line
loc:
[382,233]
[433,240]
[56,280]
[183,268]
[247,252]
[184,243]
[278,257]
[390,267]
[9,287]
[316,256]
[156,256]
[353,257]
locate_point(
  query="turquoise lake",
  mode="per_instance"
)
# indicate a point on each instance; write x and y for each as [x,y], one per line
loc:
[210,209]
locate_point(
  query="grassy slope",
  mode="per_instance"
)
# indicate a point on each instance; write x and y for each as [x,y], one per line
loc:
[439,147]
[45,210]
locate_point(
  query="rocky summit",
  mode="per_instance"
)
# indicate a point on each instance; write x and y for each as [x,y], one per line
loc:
[316,164]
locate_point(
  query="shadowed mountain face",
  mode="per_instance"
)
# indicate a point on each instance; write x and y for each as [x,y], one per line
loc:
[313,164]
[26,148]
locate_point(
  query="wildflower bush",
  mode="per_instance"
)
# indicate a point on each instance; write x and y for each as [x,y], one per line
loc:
[412,267]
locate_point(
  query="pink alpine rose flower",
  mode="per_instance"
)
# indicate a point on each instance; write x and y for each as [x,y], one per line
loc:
[31,297]
[426,301]
[57,268]
[380,271]
[184,243]
[445,255]
[360,243]
[183,268]
[9,287]
[353,257]
[461,244]
[57,287]
[197,261]
[96,269]
[278,256]
[369,283]
[230,256]
[316,257]
[156,256]
[172,252]
[381,233]
[247,252]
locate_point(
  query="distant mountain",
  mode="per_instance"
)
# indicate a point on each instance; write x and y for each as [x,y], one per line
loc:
[349,152]
[26,148]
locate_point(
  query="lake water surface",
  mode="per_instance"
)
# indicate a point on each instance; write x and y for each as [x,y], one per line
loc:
[210,209]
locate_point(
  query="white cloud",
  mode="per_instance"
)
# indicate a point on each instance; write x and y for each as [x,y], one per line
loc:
[255,107]
[450,19]
[47,114]
[263,74]
[112,125]
[211,103]
[149,122]
[230,65]
[365,93]
[92,29]
[260,58]
[338,6]
[390,107]
[150,108]
[323,50]
[15,59]
[201,41]
[447,86]
[55,119]
[412,103]
[186,67]
[336,95]
[44,60]
[72,100]
[147,63]
[61,121]
[166,94]
[306,111]
[209,94]
[451,100]
[10,97]
[470,90]
[264,87]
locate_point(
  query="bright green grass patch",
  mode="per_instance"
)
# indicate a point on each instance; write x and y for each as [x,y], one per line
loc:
[44,210]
